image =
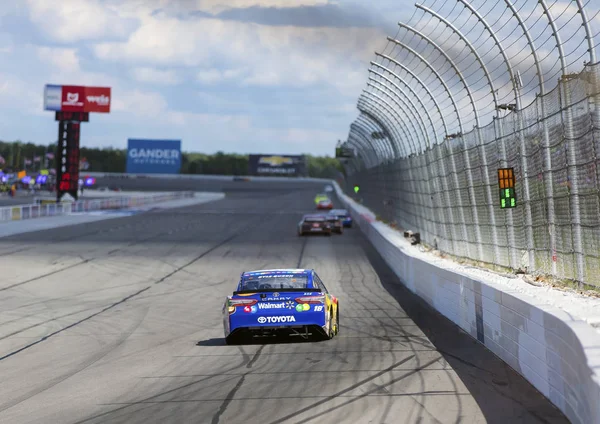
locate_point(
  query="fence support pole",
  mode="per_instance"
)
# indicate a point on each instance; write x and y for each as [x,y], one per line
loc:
[548,183]
[565,96]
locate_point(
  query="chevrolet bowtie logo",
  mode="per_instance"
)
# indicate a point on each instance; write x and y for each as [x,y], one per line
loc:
[276,160]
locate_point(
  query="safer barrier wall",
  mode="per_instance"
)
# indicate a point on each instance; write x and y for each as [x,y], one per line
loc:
[557,353]
[16,213]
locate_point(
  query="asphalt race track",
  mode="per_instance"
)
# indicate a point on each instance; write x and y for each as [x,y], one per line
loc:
[119,321]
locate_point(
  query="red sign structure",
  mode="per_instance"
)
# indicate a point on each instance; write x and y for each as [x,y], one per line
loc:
[85,99]
[72,105]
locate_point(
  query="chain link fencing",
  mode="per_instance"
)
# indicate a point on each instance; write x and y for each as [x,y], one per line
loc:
[450,193]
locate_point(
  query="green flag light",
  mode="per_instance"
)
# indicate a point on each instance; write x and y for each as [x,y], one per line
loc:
[356,189]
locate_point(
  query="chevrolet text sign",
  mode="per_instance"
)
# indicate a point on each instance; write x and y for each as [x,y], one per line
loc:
[76,98]
[282,165]
[153,156]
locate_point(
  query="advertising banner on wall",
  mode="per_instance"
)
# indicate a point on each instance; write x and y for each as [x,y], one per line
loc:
[147,156]
[76,98]
[282,165]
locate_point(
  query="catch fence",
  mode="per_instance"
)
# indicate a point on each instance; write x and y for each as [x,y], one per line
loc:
[449,191]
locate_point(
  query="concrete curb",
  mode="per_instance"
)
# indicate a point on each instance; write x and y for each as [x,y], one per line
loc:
[556,352]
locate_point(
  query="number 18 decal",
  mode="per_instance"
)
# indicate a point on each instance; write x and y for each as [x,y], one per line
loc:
[319,308]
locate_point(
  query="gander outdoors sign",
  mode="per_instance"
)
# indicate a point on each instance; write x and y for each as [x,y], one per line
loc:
[76,98]
[282,165]
[146,156]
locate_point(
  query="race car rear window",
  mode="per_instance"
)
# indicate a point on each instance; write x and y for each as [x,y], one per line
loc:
[274,282]
[314,219]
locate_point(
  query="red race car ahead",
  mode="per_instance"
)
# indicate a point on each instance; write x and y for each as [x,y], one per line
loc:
[325,204]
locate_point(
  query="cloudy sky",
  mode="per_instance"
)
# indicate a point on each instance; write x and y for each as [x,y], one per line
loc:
[277,76]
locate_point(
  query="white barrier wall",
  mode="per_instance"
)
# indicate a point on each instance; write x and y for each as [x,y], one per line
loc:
[558,353]
[16,213]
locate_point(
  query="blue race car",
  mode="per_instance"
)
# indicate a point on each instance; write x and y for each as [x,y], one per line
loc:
[344,215]
[269,303]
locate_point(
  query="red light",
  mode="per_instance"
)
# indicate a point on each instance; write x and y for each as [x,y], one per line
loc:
[311,299]
[242,302]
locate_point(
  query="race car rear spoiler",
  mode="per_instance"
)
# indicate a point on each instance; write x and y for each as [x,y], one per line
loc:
[305,290]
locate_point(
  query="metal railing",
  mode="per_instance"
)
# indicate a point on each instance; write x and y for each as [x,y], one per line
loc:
[22,212]
[464,63]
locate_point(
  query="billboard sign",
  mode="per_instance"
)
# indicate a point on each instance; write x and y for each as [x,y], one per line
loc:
[283,165]
[344,152]
[52,97]
[76,98]
[147,156]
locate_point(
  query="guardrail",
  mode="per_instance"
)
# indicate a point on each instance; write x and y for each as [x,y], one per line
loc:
[557,352]
[21,212]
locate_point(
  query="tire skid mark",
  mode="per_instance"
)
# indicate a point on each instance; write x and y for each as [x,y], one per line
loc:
[125,299]
[352,387]
[305,241]
[82,368]
[85,261]
[109,307]
[14,333]
[223,408]
[48,274]
[217,417]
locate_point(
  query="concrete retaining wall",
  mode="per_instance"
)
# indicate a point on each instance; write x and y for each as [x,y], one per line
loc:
[559,354]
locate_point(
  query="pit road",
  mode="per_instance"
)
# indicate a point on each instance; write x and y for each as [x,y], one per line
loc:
[119,321]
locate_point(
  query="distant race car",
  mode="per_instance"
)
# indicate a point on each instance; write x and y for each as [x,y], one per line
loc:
[320,196]
[278,302]
[344,215]
[328,189]
[335,222]
[314,224]
[325,204]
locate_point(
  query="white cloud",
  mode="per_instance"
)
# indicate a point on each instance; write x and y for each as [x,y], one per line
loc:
[64,60]
[152,107]
[74,20]
[134,47]
[216,6]
[214,75]
[185,119]
[157,76]
[252,54]
[16,93]
[139,103]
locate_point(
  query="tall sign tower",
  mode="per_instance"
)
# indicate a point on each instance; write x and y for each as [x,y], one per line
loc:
[72,105]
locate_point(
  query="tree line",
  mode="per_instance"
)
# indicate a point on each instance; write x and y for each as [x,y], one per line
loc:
[17,155]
